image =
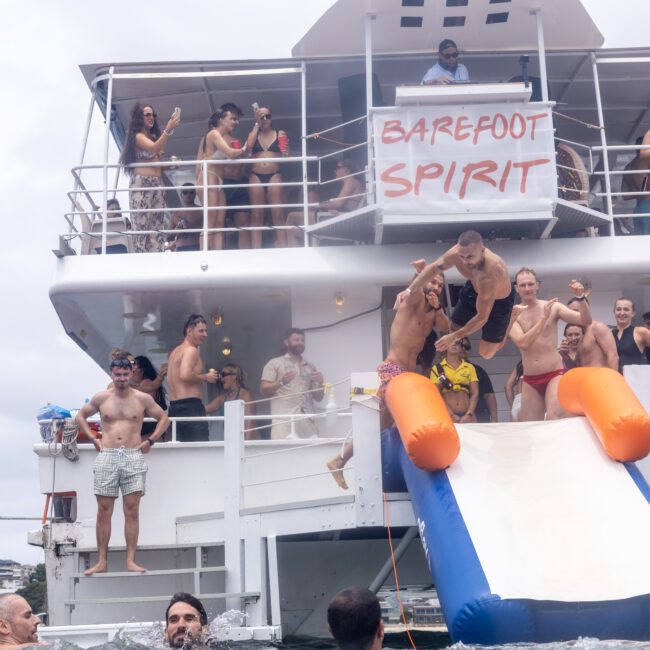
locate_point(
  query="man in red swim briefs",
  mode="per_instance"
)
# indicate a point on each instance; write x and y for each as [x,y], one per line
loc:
[416,315]
[535,334]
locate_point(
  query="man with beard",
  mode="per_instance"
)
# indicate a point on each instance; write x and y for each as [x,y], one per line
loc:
[295,384]
[186,623]
[485,301]
[186,376]
[433,293]
[120,464]
[18,624]
[446,70]
[416,316]
[596,347]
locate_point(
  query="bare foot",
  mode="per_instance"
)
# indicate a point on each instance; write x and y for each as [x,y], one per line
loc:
[336,466]
[132,566]
[100,567]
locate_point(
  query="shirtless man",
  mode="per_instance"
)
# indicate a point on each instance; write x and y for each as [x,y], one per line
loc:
[120,464]
[485,301]
[18,624]
[185,377]
[535,334]
[233,174]
[597,347]
[416,315]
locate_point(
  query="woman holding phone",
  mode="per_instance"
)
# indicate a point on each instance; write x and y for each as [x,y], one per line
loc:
[213,146]
[264,178]
[145,143]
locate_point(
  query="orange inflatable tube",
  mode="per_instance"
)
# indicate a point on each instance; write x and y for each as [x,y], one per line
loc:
[428,434]
[613,410]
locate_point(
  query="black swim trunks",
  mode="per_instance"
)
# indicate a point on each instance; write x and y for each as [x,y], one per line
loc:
[190,407]
[236,196]
[497,324]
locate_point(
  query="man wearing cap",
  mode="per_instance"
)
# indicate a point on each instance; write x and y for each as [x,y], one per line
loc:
[447,70]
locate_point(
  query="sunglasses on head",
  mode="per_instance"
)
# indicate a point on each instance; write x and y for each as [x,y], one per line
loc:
[266,116]
[451,55]
[122,363]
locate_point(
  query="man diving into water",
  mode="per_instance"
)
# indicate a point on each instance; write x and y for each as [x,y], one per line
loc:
[485,301]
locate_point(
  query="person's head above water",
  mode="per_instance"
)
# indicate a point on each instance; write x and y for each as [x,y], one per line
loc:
[185,619]
[18,624]
[354,619]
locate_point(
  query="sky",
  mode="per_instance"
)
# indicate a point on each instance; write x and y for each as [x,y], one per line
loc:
[42,115]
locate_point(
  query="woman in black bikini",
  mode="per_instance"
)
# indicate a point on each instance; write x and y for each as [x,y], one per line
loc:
[631,342]
[264,142]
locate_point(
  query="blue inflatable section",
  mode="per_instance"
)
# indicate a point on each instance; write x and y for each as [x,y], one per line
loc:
[475,615]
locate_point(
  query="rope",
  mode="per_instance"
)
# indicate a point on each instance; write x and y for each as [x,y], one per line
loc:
[320,443]
[304,392]
[318,136]
[575,119]
[294,478]
[392,556]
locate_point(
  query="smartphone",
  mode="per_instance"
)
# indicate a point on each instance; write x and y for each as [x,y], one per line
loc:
[177,112]
[256,107]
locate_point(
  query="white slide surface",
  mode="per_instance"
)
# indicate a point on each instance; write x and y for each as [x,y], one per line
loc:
[551,517]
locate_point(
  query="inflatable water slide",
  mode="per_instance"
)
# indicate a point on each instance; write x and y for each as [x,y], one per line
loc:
[536,531]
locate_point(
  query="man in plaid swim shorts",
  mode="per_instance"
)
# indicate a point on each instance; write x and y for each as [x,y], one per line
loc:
[120,464]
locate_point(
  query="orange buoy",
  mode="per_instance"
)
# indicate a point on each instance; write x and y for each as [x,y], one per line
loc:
[429,436]
[604,397]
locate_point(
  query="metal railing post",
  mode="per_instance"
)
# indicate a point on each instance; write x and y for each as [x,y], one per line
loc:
[541,53]
[204,165]
[603,141]
[369,104]
[233,497]
[303,120]
[107,136]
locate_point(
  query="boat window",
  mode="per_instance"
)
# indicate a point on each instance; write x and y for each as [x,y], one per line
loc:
[497,2]
[457,3]
[453,21]
[411,21]
[501,17]
[412,3]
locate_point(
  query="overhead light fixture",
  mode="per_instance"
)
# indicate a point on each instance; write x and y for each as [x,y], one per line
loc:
[226,346]
[133,315]
[339,299]
[149,332]
[217,317]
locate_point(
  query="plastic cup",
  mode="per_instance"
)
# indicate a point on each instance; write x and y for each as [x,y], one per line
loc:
[235,144]
[283,141]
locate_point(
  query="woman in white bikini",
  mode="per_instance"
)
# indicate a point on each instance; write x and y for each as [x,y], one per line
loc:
[213,146]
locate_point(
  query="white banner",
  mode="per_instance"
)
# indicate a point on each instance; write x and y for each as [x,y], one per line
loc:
[480,158]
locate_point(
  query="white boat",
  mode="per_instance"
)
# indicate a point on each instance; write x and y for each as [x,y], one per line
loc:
[261,526]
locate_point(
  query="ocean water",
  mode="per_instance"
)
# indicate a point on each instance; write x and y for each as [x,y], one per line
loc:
[153,638]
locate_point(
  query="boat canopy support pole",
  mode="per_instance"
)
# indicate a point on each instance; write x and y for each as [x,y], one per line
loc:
[303,149]
[370,17]
[274,579]
[541,50]
[232,459]
[603,140]
[399,551]
[107,141]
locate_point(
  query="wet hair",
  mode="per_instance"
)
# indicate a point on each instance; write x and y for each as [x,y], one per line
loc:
[628,300]
[213,123]
[238,372]
[566,327]
[525,269]
[192,321]
[293,330]
[113,202]
[470,237]
[229,107]
[192,601]
[136,125]
[354,615]
[5,606]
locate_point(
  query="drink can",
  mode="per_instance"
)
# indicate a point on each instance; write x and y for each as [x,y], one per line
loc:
[235,144]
